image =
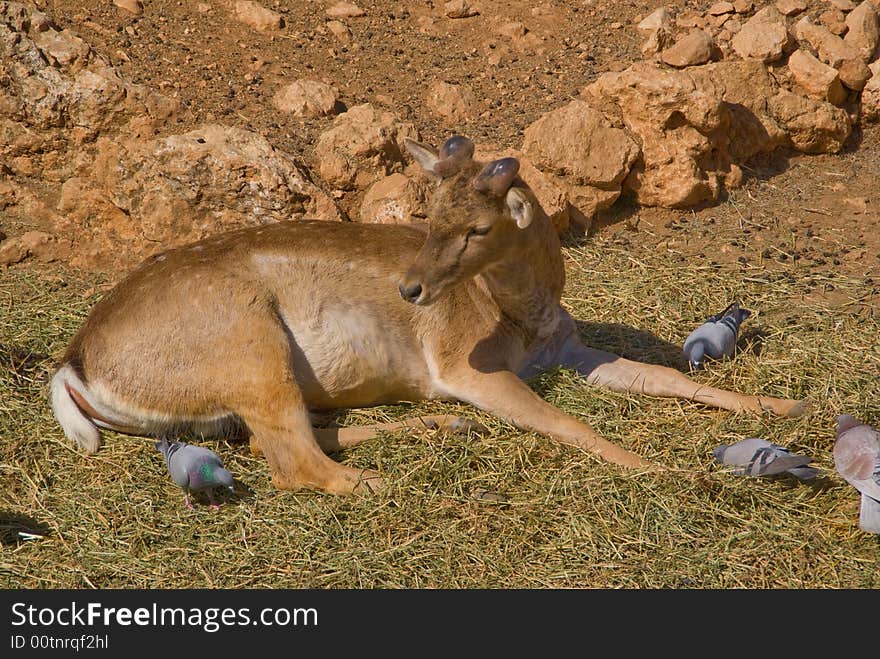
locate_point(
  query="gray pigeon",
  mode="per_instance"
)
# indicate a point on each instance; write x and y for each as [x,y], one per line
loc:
[195,469]
[758,457]
[857,459]
[716,338]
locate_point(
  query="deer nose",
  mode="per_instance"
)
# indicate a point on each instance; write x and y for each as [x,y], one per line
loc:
[410,293]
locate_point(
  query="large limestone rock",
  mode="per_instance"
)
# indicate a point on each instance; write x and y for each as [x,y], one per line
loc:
[580,147]
[257,16]
[396,199]
[696,124]
[306,98]
[763,118]
[863,32]
[454,104]
[813,126]
[576,141]
[677,125]
[870,110]
[816,79]
[57,96]
[834,51]
[363,145]
[697,47]
[764,36]
[186,186]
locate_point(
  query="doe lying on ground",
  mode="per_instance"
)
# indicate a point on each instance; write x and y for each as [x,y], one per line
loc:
[263,324]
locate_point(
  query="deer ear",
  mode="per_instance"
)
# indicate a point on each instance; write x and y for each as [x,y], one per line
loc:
[424,155]
[520,207]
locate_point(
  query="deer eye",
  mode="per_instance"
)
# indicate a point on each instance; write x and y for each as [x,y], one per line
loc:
[479,230]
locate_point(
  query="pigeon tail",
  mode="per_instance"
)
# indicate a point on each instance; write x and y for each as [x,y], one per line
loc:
[804,473]
[76,425]
[869,515]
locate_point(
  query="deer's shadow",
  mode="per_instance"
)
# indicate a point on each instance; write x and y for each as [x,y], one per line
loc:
[631,343]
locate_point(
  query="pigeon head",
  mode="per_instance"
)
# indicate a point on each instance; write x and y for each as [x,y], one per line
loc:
[739,313]
[718,452]
[845,422]
[224,478]
[162,446]
[695,354]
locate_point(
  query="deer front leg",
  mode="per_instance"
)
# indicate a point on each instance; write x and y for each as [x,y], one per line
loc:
[503,394]
[618,374]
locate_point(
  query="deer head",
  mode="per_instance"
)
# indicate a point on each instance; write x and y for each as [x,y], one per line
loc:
[477,218]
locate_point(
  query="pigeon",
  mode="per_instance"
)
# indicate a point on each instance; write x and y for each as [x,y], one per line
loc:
[195,469]
[758,457]
[716,338]
[857,459]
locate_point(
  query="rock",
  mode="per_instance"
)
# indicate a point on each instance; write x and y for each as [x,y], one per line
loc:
[818,80]
[743,6]
[863,33]
[452,103]
[396,199]
[64,48]
[842,5]
[459,9]
[831,49]
[695,48]
[578,143]
[691,19]
[657,41]
[854,73]
[657,19]
[671,119]
[722,7]
[834,20]
[843,56]
[340,31]
[791,7]
[257,16]
[362,145]
[133,7]
[306,98]
[345,10]
[764,36]
[30,243]
[870,107]
[514,30]
[184,187]
[694,125]
[813,126]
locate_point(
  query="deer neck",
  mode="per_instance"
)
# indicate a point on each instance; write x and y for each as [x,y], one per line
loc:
[528,285]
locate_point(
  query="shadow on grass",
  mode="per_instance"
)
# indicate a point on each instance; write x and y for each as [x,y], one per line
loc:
[18,527]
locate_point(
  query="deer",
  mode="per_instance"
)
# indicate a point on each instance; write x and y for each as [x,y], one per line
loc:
[265,325]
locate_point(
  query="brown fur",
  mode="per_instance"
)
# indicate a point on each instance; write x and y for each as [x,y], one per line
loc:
[264,324]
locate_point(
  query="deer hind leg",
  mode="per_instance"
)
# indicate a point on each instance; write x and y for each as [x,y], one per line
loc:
[503,394]
[334,439]
[267,398]
[618,374]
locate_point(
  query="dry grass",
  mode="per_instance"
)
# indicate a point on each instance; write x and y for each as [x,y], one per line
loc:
[117,521]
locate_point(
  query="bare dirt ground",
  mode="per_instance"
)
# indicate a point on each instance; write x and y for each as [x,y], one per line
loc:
[802,235]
